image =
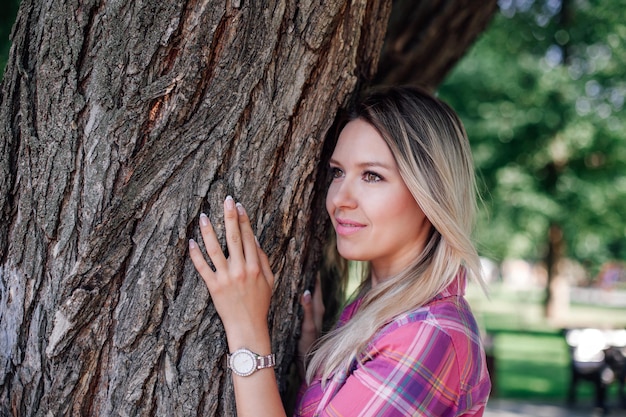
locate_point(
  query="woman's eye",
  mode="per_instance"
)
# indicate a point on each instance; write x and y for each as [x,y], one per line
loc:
[371,177]
[336,172]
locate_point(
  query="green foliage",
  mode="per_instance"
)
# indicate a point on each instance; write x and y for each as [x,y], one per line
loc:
[542,97]
[7,17]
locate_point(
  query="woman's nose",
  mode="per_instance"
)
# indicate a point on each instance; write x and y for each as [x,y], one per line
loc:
[342,194]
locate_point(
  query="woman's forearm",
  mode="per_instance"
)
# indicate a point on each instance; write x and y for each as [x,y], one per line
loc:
[256,395]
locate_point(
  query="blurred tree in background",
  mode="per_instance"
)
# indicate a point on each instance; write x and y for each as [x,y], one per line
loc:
[542,97]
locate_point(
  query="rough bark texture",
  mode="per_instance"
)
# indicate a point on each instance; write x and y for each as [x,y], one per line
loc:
[120,122]
[425,39]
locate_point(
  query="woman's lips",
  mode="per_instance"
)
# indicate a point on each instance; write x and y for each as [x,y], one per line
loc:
[345,227]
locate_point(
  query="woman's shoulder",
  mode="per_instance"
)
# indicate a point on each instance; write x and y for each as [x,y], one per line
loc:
[440,332]
[450,315]
[445,326]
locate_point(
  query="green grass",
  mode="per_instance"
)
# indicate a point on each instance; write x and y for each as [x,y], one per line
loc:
[531,356]
[535,366]
[531,365]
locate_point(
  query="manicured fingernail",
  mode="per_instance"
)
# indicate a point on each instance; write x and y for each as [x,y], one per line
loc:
[307,297]
[230,203]
[204,220]
[257,242]
[240,209]
[192,244]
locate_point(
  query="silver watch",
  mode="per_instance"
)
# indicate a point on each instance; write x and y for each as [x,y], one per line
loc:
[244,362]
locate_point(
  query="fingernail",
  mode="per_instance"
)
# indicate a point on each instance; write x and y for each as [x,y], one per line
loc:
[192,244]
[230,203]
[306,297]
[240,209]
[204,220]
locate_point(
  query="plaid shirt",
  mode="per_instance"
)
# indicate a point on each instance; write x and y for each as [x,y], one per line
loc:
[428,362]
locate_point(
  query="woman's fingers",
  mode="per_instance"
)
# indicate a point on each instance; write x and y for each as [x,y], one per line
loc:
[200,263]
[212,245]
[248,241]
[308,321]
[313,307]
[246,259]
[265,266]
[240,285]
[233,236]
[318,304]
[308,330]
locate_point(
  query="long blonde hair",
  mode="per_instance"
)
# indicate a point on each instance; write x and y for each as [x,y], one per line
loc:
[430,146]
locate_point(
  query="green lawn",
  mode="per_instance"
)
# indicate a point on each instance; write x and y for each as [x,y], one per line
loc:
[531,365]
[531,356]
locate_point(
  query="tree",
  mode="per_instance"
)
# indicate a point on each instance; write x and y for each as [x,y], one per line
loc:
[542,97]
[121,122]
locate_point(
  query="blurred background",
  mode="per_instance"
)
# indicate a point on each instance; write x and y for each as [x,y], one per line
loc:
[8,11]
[542,97]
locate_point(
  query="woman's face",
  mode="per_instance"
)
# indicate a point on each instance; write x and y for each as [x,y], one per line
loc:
[375,216]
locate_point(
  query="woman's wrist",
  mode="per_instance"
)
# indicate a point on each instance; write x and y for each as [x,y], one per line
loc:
[255,338]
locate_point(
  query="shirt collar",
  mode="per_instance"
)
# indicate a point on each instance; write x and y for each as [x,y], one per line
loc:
[456,287]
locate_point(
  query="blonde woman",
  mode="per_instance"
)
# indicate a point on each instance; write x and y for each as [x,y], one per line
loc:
[402,198]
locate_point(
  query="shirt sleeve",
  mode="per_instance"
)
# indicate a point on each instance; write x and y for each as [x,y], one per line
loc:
[411,370]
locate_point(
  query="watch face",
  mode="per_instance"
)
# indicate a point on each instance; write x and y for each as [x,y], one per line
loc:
[243,362]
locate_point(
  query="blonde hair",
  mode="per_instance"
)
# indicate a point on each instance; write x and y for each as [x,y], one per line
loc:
[430,146]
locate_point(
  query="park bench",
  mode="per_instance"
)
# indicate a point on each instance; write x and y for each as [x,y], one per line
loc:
[597,356]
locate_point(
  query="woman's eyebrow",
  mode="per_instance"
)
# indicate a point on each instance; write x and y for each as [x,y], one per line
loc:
[365,164]
[374,164]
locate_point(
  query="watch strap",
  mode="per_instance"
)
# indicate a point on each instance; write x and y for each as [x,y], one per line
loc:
[268,361]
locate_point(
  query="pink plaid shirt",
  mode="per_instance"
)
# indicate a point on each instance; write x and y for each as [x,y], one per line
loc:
[428,362]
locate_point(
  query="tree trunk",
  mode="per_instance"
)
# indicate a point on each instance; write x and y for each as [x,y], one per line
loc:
[556,300]
[120,123]
[556,304]
[425,39]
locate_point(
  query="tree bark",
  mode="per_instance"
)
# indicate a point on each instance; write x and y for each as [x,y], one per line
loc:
[120,123]
[425,39]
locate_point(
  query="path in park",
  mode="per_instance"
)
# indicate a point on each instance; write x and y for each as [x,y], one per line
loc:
[508,408]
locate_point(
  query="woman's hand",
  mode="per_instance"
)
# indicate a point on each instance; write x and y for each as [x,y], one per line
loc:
[311,329]
[241,288]
[241,285]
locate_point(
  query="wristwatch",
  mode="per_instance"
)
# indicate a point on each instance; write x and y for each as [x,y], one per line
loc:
[244,362]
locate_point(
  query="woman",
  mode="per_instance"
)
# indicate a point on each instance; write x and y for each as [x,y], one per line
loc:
[402,199]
